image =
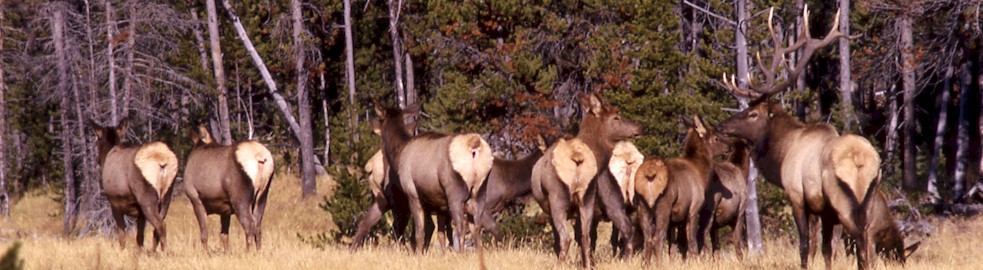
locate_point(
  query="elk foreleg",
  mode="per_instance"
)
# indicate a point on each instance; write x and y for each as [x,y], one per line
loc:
[827,240]
[365,224]
[141,225]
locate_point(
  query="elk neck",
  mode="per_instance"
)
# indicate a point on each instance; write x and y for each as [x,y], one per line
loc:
[394,138]
[591,133]
[697,151]
[739,157]
[770,147]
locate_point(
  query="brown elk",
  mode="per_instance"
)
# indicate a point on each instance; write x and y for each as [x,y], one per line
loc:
[601,127]
[137,180]
[507,181]
[563,183]
[726,198]
[438,172]
[680,204]
[790,153]
[650,184]
[229,179]
[883,232]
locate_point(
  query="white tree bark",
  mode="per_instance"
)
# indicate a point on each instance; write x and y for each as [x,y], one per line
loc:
[962,138]
[846,85]
[350,66]
[4,195]
[308,181]
[752,216]
[111,57]
[394,9]
[131,38]
[908,82]
[933,166]
[219,69]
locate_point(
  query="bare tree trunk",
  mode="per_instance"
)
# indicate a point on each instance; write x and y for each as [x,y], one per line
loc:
[4,195]
[962,137]
[909,182]
[890,143]
[131,30]
[394,10]
[846,85]
[58,30]
[350,68]
[92,53]
[327,119]
[199,41]
[410,81]
[933,166]
[219,69]
[752,216]
[308,181]
[800,81]
[268,79]
[111,57]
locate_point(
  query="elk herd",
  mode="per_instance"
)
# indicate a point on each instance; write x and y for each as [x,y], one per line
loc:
[594,175]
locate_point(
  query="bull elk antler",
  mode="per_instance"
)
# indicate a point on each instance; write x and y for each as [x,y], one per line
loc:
[770,71]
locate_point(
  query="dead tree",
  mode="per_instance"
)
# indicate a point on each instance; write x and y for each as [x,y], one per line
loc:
[308,183]
[219,71]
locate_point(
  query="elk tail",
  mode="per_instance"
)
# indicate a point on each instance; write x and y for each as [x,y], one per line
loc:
[471,157]
[857,165]
[158,166]
[574,164]
[257,163]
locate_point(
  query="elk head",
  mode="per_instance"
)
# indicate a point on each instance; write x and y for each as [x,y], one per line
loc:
[751,123]
[109,136]
[398,120]
[201,136]
[603,121]
[703,139]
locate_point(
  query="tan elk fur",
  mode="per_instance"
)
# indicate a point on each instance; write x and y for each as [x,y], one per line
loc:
[625,160]
[574,165]
[854,162]
[471,157]
[650,180]
[376,170]
[158,165]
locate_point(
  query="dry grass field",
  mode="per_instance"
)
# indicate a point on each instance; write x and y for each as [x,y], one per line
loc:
[36,222]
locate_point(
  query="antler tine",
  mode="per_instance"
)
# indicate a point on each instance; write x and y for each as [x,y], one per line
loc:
[731,85]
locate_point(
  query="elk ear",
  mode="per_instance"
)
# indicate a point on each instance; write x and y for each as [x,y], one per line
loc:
[195,137]
[701,129]
[592,103]
[541,143]
[376,126]
[379,111]
[206,137]
[121,128]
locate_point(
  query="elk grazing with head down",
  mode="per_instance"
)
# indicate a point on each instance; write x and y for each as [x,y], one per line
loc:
[600,129]
[650,183]
[726,198]
[137,180]
[508,180]
[229,179]
[438,172]
[821,177]
[883,232]
[682,199]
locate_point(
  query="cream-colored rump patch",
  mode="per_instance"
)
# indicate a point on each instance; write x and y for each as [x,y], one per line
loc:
[651,180]
[158,165]
[624,163]
[376,171]
[257,163]
[471,157]
[574,164]
[856,163]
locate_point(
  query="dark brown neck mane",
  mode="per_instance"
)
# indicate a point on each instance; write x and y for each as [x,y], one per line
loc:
[106,142]
[394,137]
[592,133]
[739,157]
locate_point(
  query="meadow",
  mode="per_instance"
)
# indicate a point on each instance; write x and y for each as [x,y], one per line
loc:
[36,222]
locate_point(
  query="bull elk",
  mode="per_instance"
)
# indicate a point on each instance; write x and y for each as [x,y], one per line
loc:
[438,172]
[507,181]
[137,180]
[726,198]
[787,149]
[601,127]
[680,204]
[229,179]
[650,184]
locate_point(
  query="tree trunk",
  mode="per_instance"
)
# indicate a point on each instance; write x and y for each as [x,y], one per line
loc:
[411,96]
[962,137]
[752,217]
[846,85]
[327,119]
[199,41]
[394,9]
[890,143]
[268,79]
[909,183]
[933,166]
[308,181]
[4,195]
[111,57]
[219,69]
[131,31]
[58,26]
[350,68]
[802,104]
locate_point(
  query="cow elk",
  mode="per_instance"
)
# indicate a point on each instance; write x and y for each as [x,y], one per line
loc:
[726,198]
[438,172]
[624,163]
[883,232]
[680,204]
[508,181]
[229,179]
[137,180]
[650,184]
[600,129]
[563,184]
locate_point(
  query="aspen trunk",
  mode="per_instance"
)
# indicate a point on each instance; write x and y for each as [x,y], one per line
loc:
[58,32]
[846,85]
[962,137]
[219,69]
[350,68]
[308,181]
[131,31]
[752,216]
[394,10]
[111,58]
[933,166]
[908,81]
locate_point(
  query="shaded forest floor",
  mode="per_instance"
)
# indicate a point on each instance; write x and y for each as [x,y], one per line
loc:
[36,222]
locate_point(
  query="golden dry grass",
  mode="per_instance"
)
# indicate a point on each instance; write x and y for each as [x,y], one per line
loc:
[36,222]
